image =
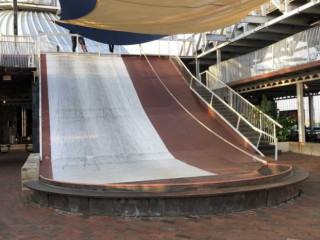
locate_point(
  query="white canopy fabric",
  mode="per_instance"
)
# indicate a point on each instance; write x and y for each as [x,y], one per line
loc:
[166,16]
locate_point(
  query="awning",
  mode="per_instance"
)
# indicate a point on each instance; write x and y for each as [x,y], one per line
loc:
[163,17]
[74,9]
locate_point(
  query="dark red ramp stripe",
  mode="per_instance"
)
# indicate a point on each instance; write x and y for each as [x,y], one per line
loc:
[184,137]
[46,169]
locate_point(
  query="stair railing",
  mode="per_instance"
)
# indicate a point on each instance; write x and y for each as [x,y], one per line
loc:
[233,103]
[254,115]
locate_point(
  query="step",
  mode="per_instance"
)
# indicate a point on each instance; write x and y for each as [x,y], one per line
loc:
[254,193]
[30,170]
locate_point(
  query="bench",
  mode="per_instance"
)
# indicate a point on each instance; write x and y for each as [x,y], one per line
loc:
[6,147]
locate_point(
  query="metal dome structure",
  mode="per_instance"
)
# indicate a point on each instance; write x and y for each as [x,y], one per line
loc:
[34,23]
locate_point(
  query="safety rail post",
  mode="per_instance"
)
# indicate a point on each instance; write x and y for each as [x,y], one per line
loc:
[260,119]
[231,99]
[238,123]
[211,100]
[275,142]
[78,45]
[258,143]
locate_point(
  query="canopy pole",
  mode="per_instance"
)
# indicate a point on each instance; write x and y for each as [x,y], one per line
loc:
[15,17]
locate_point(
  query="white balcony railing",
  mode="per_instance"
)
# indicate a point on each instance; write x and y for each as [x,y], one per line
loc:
[17,51]
[298,49]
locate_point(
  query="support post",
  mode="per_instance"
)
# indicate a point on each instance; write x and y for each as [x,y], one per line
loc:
[286,6]
[197,68]
[218,52]
[15,17]
[218,56]
[301,117]
[311,113]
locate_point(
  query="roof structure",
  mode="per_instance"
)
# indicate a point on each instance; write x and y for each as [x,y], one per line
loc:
[35,23]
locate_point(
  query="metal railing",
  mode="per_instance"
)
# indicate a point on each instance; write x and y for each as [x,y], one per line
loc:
[247,115]
[301,48]
[22,51]
[168,46]
[52,3]
[17,51]
[249,111]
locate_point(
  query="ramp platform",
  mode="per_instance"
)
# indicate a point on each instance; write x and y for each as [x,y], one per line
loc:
[126,136]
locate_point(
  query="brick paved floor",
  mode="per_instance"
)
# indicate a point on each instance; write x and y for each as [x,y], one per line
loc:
[21,219]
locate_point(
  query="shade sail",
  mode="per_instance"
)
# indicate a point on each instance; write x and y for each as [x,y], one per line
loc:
[72,9]
[166,16]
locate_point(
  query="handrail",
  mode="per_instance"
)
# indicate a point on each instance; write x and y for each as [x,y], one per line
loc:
[255,158]
[227,105]
[245,100]
[240,117]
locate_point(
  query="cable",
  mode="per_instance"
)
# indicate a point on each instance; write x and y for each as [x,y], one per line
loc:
[255,158]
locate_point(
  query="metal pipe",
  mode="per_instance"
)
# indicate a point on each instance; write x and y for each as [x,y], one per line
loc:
[15,17]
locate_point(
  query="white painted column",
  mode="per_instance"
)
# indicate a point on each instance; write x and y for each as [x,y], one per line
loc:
[219,63]
[218,56]
[301,117]
[24,121]
[311,113]
[286,6]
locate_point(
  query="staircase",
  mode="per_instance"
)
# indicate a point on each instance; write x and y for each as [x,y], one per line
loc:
[258,129]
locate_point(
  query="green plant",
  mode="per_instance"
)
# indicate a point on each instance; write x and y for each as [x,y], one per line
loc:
[287,123]
[269,108]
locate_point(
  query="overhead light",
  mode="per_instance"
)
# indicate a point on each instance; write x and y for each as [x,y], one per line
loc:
[4,101]
[305,86]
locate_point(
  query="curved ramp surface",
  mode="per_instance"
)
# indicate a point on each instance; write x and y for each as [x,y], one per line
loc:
[186,138]
[97,130]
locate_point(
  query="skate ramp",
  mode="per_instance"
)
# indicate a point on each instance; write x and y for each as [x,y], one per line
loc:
[184,123]
[130,139]
[98,131]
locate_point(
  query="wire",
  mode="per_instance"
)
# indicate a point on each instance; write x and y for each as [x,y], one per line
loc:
[255,158]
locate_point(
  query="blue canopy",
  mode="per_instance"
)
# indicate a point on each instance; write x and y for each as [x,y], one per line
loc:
[72,9]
